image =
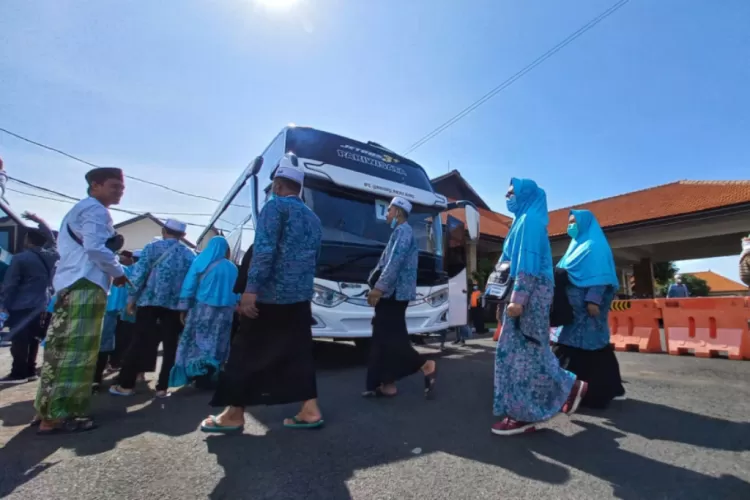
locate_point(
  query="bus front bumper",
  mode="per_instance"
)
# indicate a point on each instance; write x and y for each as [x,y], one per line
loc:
[350,321]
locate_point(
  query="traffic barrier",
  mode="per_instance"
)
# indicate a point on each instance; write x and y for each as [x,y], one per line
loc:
[708,326]
[496,337]
[634,326]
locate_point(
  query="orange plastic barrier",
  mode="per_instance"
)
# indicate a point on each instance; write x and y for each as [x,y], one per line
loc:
[708,327]
[634,326]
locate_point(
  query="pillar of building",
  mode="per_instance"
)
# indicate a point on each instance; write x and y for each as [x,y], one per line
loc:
[643,272]
[471,258]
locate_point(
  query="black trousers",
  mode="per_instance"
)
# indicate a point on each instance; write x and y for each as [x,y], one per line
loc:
[477,317]
[145,344]
[392,357]
[123,339]
[26,330]
[101,364]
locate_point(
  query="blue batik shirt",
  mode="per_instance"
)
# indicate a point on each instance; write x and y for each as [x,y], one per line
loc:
[398,265]
[285,252]
[159,285]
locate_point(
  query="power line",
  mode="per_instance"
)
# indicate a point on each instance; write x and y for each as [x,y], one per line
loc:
[191,214]
[71,200]
[507,83]
[39,196]
[85,162]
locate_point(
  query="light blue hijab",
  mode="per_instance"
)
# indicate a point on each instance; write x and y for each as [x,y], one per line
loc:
[527,245]
[211,283]
[589,260]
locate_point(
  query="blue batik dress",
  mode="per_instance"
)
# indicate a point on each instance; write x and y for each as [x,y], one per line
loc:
[530,385]
[209,301]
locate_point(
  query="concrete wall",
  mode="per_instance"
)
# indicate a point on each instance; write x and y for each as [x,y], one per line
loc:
[140,233]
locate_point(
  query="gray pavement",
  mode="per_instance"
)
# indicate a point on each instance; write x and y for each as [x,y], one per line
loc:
[683,434]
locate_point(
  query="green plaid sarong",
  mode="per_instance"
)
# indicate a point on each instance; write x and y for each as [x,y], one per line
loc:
[71,351]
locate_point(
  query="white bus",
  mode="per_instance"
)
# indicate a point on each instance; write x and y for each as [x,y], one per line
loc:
[349,185]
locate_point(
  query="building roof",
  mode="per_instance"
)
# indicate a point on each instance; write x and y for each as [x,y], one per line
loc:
[668,200]
[490,223]
[152,218]
[461,186]
[718,283]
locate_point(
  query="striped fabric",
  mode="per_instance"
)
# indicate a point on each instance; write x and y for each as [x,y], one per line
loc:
[71,352]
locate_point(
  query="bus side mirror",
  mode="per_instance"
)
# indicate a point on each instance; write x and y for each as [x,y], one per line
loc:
[472,222]
[257,164]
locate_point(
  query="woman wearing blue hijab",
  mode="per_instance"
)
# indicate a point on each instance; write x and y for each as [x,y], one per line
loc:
[208,298]
[530,385]
[583,346]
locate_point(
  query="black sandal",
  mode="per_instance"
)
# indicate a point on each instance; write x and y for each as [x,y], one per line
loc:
[72,426]
[429,384]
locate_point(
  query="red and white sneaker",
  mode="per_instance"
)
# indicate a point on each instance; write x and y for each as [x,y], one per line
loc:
[510,427]
[577,394]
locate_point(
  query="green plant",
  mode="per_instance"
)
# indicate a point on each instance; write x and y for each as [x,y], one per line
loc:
[484,269]
[664,273]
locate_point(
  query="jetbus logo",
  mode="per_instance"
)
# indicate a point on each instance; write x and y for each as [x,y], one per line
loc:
[385,162]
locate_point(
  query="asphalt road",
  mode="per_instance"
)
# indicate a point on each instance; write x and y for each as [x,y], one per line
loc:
[683,434]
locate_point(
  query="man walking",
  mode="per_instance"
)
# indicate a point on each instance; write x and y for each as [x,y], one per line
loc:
[678,289]
[157,280]
[271,359]
[88,265]
[24,296]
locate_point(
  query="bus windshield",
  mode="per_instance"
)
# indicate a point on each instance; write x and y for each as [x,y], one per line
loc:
[355,233]
[358,218]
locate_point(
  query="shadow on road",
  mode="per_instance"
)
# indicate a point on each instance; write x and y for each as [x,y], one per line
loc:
[364,434]
[664,423]
[595,451]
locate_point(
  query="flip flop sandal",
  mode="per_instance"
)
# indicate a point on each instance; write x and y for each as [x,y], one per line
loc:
[35,422]
[217,428]
[429,384]
[378,393]
[115,391]
[70,427]
[301,424]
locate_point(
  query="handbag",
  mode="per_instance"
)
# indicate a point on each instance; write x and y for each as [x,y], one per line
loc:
[499,284]
[561,312]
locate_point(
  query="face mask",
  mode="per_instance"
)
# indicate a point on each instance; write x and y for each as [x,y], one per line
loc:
[394,223]
[272,197]
[512,204]
[745,245]
[573,230]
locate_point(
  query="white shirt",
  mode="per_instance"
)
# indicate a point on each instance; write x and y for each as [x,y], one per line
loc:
[92,223]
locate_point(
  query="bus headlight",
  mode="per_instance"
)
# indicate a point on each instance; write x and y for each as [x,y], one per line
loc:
[326,297]
[436,299]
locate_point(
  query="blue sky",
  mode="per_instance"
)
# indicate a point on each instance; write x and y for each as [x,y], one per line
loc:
[186,92]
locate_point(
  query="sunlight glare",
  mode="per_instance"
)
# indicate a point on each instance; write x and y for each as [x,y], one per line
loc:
[278,4]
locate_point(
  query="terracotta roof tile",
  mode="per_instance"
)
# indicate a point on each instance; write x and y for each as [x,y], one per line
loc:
[677,198]
[718,283]
[490,223]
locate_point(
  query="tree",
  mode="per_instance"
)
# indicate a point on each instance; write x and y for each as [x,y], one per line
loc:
[664,273]
[696,286]
[484,269]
